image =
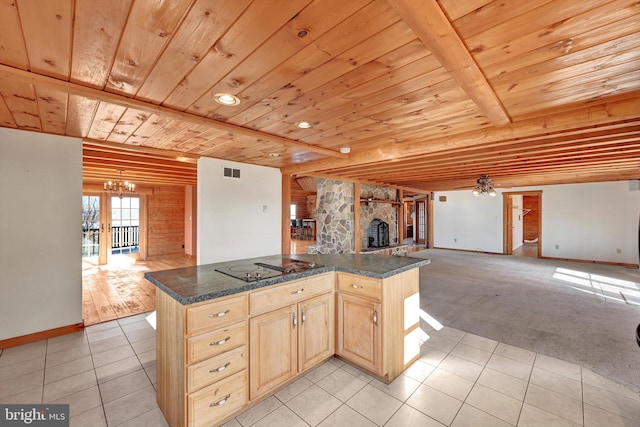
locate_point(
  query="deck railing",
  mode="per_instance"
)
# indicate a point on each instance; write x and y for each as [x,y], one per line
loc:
[125,236]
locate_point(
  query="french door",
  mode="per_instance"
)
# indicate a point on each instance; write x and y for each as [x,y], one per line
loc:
[421,221]
[112,225]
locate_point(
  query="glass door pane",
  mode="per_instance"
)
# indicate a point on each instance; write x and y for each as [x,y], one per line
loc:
[125,225]
[90,226]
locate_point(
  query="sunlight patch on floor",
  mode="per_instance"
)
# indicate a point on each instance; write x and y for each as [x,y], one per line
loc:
[609,288]
[151,319]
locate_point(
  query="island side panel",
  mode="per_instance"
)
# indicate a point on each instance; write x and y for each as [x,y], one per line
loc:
[170,358]
[400,300]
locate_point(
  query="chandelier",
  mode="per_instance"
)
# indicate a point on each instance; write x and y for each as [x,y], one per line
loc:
[485,186]
[120,188]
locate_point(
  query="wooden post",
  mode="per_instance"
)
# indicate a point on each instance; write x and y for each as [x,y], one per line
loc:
[286,221]
[356,217]
[429,241]
[401,227]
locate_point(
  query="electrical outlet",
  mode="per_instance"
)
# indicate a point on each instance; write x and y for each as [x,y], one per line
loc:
[264,208]
[618,251]
[557,246]
[455,239]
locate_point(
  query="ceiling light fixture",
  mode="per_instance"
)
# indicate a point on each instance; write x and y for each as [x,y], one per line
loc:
[304,124]
[345,150]
[120,188]
[274,154]
[485,186]
[226,99]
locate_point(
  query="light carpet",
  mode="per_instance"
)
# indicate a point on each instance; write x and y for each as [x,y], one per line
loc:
[568,310]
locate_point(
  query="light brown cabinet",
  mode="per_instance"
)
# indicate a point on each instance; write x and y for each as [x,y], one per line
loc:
[378,322]
[201,359]
[289,340]
[359,332]
[216,357]
[274,347]
[316,335]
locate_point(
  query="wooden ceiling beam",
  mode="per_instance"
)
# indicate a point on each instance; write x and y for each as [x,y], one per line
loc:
[431,25]
[138,150]
[567,121]
[370,182]
[16,75]
[516,150]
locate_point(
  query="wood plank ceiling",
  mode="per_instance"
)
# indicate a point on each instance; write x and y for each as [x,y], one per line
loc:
[427,94]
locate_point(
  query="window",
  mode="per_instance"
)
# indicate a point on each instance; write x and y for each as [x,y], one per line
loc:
[292,211]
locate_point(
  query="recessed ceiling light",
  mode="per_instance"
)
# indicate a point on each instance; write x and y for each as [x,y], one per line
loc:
[304,124]
[226,99]
[274,154]
[345,150]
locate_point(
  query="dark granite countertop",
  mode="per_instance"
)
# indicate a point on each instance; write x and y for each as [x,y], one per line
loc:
[200,283]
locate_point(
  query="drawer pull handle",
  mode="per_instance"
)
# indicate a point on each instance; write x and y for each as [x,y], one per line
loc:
[221,342]
[220,368]
[295,320]
[221,401]
[221,314]
[299,291]
[304,316]
[356,286]
[375,317]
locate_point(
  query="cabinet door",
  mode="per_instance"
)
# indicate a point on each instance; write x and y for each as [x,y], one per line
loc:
[273,354]
[359,332]
[316,335]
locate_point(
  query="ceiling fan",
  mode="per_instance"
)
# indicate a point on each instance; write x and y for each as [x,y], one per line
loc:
[485,185]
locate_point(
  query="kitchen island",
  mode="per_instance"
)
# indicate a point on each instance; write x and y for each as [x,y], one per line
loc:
[232,333]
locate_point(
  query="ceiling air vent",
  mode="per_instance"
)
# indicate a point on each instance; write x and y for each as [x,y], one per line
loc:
[230,172]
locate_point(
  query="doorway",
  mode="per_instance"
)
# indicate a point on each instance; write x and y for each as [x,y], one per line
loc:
[420,222]
[522,223]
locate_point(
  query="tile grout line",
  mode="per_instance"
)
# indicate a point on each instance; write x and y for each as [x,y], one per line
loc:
[104,413]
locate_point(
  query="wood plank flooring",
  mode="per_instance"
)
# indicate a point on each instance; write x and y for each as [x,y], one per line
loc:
[528,250]
[119,288]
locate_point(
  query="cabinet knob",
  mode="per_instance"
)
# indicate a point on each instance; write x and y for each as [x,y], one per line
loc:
[221,342]
[219,368]
[299,291]
[221,314]
[354,286]
[221,401]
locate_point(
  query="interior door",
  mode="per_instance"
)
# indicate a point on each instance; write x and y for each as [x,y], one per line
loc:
[421,222]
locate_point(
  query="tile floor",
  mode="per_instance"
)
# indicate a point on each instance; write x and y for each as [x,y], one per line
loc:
[107,375]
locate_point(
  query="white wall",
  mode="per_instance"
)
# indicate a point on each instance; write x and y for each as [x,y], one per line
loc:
[586,221]
[467,222]
[238,218]
[40,232]
[591,221]
[517,222]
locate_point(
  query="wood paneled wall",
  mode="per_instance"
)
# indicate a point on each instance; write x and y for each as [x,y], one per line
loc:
[530,220]
[166,220]
[301,200]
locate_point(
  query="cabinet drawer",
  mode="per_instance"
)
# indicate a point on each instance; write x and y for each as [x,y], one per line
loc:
[274,297]
[217,342]
[215,315]
[216,368]
[360,286]
[213,403]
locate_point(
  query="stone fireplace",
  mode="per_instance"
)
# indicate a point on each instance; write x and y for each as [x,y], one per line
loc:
[377,234]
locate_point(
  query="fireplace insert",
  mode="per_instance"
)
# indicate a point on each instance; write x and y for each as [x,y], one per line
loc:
[378,234]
